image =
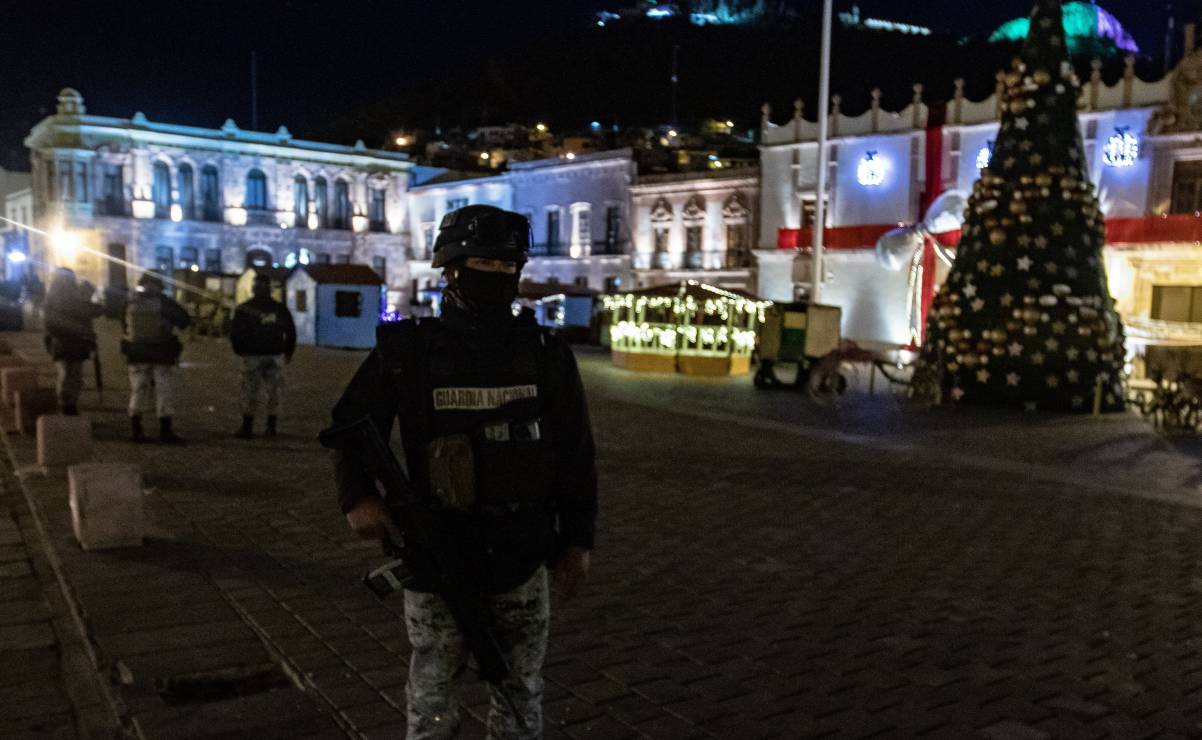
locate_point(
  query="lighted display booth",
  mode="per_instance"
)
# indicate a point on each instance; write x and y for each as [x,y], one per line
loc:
[688,327]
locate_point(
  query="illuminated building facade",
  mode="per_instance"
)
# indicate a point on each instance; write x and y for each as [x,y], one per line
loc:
[695,226]
[1142,141]
[113,192]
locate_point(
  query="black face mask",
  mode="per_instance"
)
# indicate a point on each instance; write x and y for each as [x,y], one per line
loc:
[486,292]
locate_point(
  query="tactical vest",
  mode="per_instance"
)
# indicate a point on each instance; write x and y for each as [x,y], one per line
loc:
[144,321]
[474,428]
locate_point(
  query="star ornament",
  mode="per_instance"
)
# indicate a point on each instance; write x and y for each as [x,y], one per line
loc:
[977,304]
[982,376]
[1015,349]
[957,393]
[970,290]
[1024,264]
[1012,379]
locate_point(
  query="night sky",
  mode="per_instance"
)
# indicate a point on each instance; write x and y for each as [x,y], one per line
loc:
[189,61]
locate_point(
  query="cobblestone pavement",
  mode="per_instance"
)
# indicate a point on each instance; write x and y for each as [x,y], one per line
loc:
[764,569]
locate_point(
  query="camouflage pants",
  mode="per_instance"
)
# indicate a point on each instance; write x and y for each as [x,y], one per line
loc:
[152,387]
[522,618]
[262,370]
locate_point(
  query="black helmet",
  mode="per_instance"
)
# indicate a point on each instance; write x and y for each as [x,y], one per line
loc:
[482,231]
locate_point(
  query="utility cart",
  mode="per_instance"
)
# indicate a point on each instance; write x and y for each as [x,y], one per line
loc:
[799,334]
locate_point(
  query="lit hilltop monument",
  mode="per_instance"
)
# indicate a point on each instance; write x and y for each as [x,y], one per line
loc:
[1025,318]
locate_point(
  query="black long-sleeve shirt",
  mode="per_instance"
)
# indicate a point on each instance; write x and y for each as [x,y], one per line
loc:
[521,542]
[263,326]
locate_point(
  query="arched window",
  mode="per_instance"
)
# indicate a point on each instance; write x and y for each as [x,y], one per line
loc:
[300,201]
[210,193]
[161,190]
[187,191]
[342,204]
[321,202]
[256,191]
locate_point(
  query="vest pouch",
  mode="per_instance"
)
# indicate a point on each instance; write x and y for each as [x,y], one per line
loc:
[515,464]
[453,471]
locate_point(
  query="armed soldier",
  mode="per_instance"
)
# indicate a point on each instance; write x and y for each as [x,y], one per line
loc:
[263,335]
[152,349]
[496,438]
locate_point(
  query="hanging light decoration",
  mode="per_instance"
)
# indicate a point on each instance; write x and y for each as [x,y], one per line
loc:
[871,170]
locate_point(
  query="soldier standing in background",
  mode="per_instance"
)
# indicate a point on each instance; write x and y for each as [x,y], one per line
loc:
[69,336]
[264,336]
[150,346]
[495,431]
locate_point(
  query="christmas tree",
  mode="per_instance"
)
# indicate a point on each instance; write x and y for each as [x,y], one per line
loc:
[1025,317]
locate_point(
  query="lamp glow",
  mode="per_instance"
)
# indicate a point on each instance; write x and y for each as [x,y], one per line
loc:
[402,141]
[540,127]
[177,212]
[17,257]
[483,155]
[570,155]
[870,172]
[65,243]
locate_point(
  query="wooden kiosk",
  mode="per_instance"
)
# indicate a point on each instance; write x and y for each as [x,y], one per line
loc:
[687,327]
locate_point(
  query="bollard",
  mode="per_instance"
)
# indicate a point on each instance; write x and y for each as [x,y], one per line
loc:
[31,403]
[106,505]
[13,379]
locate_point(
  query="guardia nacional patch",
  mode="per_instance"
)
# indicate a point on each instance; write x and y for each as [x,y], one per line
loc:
[481,399]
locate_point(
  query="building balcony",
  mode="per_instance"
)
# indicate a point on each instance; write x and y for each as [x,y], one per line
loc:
[1156,332]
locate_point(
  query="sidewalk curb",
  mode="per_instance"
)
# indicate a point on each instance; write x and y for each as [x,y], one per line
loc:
[78,641]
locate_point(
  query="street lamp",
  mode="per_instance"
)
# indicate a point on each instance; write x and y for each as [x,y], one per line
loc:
[402,141]
[64,243]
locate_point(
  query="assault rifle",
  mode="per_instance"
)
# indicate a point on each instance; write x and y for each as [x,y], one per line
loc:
[428,544]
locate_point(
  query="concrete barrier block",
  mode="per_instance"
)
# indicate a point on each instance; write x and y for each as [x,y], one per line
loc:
[106,505]
[63,440]
[14,379]
[30,404]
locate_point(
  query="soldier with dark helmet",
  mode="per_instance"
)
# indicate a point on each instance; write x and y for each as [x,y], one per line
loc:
[494,426]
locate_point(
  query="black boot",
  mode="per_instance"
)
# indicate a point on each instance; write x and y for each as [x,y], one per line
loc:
[166,436]
[247,430]
[135,425]
[271,430]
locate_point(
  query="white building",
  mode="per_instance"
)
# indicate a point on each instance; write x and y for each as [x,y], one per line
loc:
[579,211]
[115,192]
[1142,142]
[695,226]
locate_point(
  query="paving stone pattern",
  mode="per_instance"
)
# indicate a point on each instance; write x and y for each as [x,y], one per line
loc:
[34,699]
[748,582]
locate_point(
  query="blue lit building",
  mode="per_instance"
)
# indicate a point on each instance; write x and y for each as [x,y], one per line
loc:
[127,194]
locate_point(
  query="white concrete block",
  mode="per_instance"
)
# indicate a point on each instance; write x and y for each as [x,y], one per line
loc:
[106,505]
[64,440]
[30,404]
[13,379]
